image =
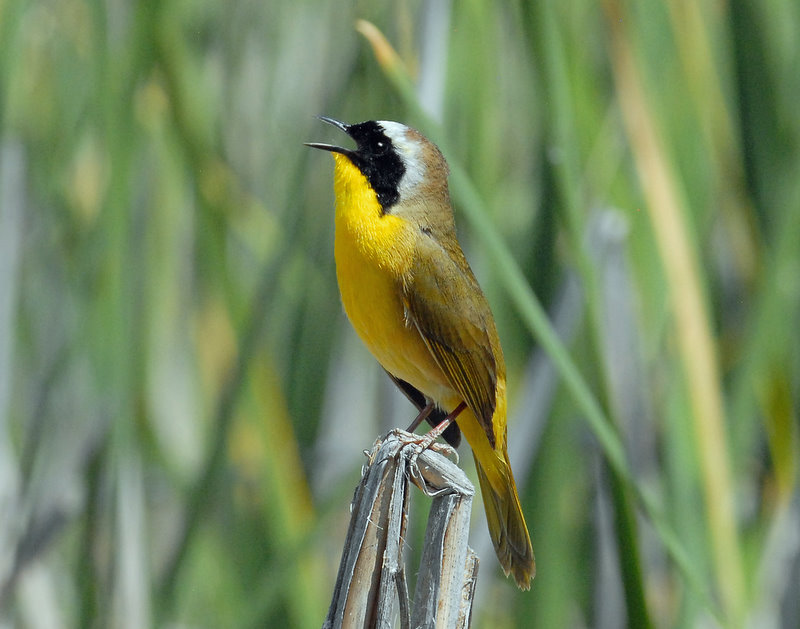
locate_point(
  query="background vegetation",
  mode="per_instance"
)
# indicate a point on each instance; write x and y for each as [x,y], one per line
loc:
[183,405]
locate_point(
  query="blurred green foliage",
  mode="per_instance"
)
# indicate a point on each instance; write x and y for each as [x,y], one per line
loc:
[183,405]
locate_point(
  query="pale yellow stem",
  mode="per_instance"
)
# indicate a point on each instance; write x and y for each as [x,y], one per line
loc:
[666,208]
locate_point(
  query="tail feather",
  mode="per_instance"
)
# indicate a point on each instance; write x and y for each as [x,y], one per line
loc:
[510,537]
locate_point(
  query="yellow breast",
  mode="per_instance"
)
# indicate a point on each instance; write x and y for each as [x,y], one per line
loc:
[374,251]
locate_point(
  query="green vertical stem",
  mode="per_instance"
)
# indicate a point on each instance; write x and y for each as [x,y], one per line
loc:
[86,570]
[114,323]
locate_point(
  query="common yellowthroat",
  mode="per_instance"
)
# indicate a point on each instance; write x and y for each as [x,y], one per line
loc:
[413,299]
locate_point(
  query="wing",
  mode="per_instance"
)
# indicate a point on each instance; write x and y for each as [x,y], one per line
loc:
[443,301]
[452,433]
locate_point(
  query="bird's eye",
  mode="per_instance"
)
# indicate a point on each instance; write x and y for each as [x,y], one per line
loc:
[380,147]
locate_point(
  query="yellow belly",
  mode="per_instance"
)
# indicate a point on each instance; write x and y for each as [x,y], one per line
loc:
[375,309]
[372,302]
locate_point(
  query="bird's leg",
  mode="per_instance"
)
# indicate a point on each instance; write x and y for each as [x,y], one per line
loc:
[433,434]
[427,440]
[423,415]
[423,442]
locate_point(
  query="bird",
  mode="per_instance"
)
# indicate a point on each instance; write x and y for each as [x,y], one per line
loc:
[413,299]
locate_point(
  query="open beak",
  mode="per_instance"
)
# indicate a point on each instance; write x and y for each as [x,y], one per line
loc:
[330,147]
